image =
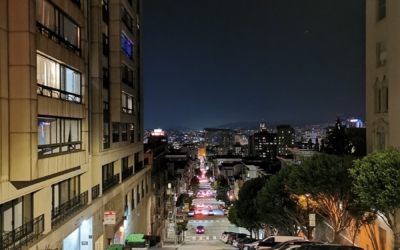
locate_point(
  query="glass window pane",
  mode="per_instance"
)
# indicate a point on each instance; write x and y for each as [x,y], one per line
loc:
[70,31]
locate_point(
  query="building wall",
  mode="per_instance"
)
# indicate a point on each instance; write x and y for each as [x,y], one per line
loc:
[53,119]
[382,123]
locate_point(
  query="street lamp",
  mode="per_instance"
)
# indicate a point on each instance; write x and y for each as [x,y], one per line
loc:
[308,215]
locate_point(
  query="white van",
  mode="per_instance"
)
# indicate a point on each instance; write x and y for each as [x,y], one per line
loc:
[271,241]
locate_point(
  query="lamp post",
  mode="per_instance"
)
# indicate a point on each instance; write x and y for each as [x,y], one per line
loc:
[308,216]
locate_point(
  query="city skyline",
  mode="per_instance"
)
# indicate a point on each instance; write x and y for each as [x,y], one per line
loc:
[280,62]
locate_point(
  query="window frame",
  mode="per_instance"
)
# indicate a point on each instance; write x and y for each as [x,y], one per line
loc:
[56,87]
[56,30]
[47,149]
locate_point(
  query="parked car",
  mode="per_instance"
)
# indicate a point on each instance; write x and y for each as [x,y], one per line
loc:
[271,241]
[243,241]
[226,211]
[235,236]
[210,212]
[199,230]
[224,235]
[285,245]
[198,211]
[191,213]
[328,247]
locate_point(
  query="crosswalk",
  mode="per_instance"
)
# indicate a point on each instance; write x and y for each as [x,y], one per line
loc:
[203,221]
[201,238]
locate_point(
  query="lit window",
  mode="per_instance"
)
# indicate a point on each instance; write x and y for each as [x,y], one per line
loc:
[127,46]
[127,103]
[58,135]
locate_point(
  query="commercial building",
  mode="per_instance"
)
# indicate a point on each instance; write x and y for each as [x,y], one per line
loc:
[221,139]
[71,124]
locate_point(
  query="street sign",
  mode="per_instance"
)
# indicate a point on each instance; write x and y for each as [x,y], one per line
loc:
[311,218]
[109,218]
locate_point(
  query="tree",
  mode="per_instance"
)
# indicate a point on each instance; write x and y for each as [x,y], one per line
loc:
[194,184]
[222,188]
[278,208]
[377,185]
[197,172]
[326,179]
[357,141]
[247,214]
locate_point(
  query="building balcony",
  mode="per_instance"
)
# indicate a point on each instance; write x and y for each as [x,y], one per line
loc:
[126,173]
[67,209]
[21,236]
[95,191]
[138,166]
[110,183]
[58,94]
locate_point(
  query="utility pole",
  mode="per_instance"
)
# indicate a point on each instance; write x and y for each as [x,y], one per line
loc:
[308,215]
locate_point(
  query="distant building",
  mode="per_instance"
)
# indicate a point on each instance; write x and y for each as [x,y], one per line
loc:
[354,123]
[286,139]
[158,137]
[263,144]
[222,139]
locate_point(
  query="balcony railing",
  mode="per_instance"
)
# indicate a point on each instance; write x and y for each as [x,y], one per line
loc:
[58,93]
[63,211]
[126,173]
[59,148]
[110,183]
[138,166]
[95,191]
[57,38]
[14,240]
[127,110]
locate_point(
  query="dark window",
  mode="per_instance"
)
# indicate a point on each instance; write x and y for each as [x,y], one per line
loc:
[106,46]
[124,131]
[381,9]
[106,78]
[104,8]
[58,135]
[127,75]
[132,132]
[124,163]
[133,198]
[115,131]
[55,25]
[126,18]
[142,189]
[137,194]
[106,125]
[108,171]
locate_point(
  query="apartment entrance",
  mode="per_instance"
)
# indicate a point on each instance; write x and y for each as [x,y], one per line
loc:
[81,238]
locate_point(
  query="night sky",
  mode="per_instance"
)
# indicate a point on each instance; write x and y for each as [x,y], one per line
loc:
[213,62]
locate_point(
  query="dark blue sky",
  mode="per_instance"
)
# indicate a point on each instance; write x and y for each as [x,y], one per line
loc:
[212,62]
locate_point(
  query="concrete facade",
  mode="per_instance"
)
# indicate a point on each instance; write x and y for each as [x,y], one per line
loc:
[71,122]
[382,104]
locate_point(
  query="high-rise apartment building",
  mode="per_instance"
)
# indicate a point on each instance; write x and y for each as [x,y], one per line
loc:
[72,163]
[285,138]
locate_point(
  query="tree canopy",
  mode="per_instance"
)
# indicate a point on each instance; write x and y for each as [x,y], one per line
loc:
[277,207]
[326,179]
[377,185]
[248,216]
